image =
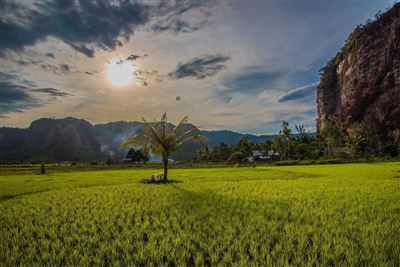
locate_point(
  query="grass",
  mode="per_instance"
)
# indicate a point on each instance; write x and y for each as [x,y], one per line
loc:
[344,214]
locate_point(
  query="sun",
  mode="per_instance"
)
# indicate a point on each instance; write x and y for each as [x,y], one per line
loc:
[120,72]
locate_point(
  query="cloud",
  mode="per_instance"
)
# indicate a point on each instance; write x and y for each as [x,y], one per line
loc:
[28,61]
[15,79]
[50,67]
[253,81]
[87,51]
[7,76]
[83,25]
[176,26]
[11,93]
[61,69]
[80,24]
[298,93]
[93,72]
[133,57]
[65,68]
[178,19]
[51,92]
[228,114]
[145,77]
[200,67]
[13,98]
[51,55]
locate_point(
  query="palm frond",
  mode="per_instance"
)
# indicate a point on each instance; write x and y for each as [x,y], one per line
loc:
[185,134]
[151,130]
[180,125]
[137,139]
[164,117]
[195,138]
[155,135]
[164,125]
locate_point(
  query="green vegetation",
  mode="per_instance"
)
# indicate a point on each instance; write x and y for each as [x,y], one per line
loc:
[284,215]
[359,142]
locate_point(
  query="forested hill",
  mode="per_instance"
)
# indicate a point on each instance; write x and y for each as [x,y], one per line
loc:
[72,139]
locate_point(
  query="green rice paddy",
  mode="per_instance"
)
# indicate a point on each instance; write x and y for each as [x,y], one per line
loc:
[316,215]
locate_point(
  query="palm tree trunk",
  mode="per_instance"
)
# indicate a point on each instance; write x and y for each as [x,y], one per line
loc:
[42,169]
[165,163]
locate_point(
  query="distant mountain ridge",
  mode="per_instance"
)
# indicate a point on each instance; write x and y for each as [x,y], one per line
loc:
[231,137]
[72,139]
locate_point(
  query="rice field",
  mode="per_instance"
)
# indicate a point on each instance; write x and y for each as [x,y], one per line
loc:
[286,216]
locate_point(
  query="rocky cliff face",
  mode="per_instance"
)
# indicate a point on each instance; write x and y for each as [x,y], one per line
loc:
[362,82]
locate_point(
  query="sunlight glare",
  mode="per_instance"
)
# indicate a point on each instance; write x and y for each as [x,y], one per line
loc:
[120,73]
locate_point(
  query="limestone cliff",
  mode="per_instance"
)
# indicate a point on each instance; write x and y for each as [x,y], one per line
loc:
[362,82]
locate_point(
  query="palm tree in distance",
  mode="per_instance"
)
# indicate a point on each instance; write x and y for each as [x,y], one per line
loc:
[163,139]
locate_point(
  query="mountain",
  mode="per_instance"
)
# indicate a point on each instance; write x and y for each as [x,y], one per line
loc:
[230,137]
[72,139]
[361,84]
[50,140]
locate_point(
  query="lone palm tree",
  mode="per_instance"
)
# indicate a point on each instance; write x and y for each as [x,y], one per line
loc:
[163,139]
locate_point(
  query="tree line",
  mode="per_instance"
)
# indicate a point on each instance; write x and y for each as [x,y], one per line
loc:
[358,141]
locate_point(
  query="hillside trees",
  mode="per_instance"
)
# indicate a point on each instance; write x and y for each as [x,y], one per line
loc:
[138,155]
[358,141]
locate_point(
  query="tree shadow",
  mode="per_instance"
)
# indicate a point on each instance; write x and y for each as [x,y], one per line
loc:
[8,197]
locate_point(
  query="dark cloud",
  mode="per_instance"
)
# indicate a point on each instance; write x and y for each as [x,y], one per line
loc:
[11,93]
[15,94]
[51,92]
[7,76]
[28,61]
[200,67]
[61,69]
[176,26]
[51,55]
[133,57]
[27,82]
[178,98]
[87,51]
[15,79]
[14,98]
[173,22]
[253,81]
[298,93]
[65,68]
[82,24]
[50,67]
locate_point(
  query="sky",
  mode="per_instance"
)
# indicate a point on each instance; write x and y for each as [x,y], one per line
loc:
[239,65]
